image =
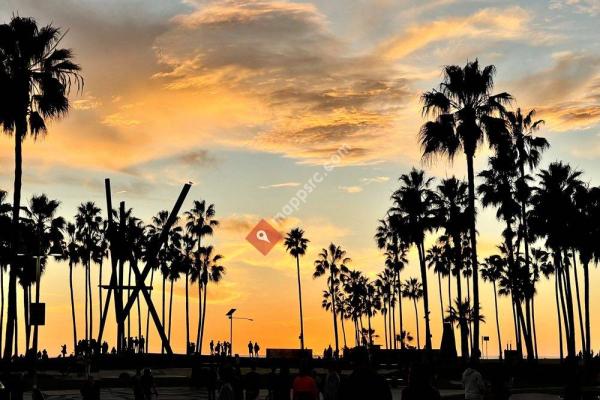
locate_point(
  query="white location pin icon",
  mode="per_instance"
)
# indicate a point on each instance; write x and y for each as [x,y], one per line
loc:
[262,235]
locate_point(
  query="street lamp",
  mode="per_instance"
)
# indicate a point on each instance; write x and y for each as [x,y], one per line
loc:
[231,318]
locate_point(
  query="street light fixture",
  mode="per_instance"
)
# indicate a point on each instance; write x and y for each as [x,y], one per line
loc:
[229,315]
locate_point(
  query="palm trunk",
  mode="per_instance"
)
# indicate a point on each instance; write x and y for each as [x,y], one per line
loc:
[164,321]
[128,295]
[579,312]
[204,294]
[11,317]
[91,298]
[199,316]
[148,314]
[417,321]
[449,288]
[393,326]
[385,331]
[565,309]
[370,330]
[26,317]
[300,303]
[100,300]
[497,321]
[464,328]
[170,311]
[343,329]
[441,298]
[570,313]
[586,299]
[558,314]
[187,313]
[473,235]
[87,330]
[73,309]
[533,325]
[333,310]
[425,296]
[1,304]
[401,317]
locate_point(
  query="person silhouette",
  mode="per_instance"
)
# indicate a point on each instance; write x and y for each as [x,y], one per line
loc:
[148,384]
[212,347]
[63,350]
[256,349]
[90,389]
[251,348]
[419,385]
[304,386]
[252,384]
[138,387]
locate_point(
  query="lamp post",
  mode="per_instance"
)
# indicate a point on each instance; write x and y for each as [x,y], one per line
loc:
[231,318]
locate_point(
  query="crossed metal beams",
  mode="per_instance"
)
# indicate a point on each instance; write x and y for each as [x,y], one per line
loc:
[152,261]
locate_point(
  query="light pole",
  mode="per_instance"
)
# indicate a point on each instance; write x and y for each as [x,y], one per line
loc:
[231,318]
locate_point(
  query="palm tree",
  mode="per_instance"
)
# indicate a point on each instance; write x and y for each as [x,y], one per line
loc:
[72,254]
[165,256]
[414,216]
[212,271]
[332,261]
[174,274]
[451,210]
[200,222]
[465,112]
[436,260]
[412,289]
[88,222]
[35,77]
[187,260]
[492,271]
[552,219]
[295,243]
[47,232]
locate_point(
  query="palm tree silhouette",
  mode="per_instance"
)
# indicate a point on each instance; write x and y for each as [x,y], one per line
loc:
[295,243]
[412,289]
[47,228]
[465,112]
[451,212]
[552,218]
[200,222]
[492,271]
[436,260]
[36,76]
[72,253]
[212,271]
[165,256]
[414,214]
[332,261]
[88,222]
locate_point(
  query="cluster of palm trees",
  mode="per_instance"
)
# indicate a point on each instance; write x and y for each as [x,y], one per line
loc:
[85,242]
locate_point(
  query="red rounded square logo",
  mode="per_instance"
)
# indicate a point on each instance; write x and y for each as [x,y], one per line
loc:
[264,237]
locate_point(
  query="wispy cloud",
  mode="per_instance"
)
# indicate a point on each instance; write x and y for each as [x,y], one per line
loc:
[280,185]
[351,189]
[375,179]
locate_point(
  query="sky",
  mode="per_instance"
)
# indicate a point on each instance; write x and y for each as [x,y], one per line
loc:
[249,99]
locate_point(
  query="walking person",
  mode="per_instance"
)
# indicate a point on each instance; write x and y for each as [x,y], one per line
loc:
[304,386]
[331,384]
[148,385]
[256,349]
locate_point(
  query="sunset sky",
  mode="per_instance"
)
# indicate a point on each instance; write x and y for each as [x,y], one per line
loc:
[248,99]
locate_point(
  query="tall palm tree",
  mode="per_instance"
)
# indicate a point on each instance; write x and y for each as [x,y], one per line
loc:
[414,216]
[200,222]
[452,212]
[166,255]
[412,289]
[72,253]
[88,222]
[332,261]
[436,260]
[492,271]
[295,243]
[174,275]
[552,219]
[47,232]
[212,271]
[465,112]
[187,260]
[35,76]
